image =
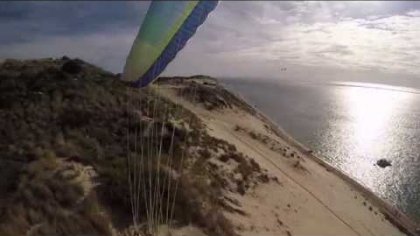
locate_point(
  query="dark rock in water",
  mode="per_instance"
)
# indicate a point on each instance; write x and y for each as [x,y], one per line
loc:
[72,67]
[383,163]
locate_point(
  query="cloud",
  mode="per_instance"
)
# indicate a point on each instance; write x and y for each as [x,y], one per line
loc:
[28,21]
[415,13]
[239,39]
[107,49]
[341,50]
[356,36]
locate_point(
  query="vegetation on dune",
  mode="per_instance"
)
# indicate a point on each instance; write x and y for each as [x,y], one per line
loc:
[50,201]
[76,115]
[59,113]
[205,90]
[214,97]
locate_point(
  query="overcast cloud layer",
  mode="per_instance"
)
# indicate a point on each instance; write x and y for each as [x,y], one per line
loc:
[341,40]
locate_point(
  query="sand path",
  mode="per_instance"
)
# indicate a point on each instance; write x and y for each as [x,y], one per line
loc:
[309,200]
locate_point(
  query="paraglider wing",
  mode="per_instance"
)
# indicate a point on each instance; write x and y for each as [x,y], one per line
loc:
[167,27]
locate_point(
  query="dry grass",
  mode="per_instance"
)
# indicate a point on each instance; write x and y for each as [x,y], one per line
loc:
[48,201]
[48,116]
[213,97]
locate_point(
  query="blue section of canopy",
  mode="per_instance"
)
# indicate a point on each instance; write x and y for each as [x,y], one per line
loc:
[187,30]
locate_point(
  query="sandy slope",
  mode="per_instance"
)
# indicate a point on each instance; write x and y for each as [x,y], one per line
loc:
[308,200]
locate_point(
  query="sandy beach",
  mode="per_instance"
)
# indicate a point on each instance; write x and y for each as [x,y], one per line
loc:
[309,197]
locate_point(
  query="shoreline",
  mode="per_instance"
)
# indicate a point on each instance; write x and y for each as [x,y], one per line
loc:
[395,216]
[244,174]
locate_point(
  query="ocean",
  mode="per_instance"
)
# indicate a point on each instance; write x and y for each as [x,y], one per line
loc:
[351,125]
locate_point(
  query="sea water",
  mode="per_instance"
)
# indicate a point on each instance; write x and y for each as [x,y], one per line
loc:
[351,125]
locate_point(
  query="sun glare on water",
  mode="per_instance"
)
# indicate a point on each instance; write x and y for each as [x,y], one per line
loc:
[372,112]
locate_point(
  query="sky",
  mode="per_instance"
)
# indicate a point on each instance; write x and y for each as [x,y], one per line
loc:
[366,41]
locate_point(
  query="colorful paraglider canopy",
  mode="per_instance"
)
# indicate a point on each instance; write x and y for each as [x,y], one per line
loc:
[167,27]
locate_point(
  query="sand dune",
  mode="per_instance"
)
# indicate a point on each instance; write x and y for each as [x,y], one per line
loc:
[309,198]
[241,175]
